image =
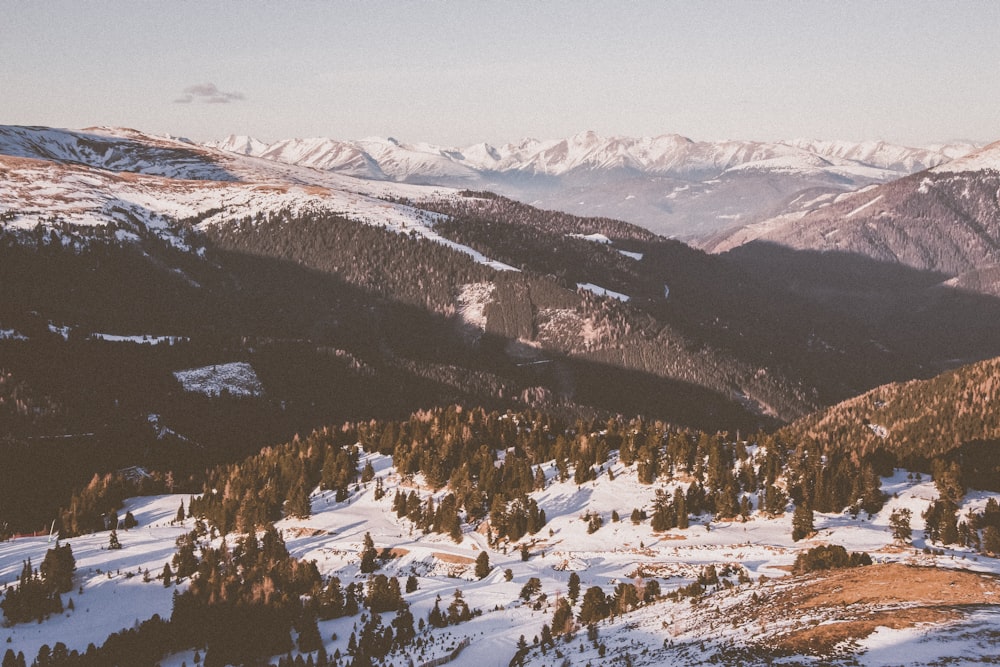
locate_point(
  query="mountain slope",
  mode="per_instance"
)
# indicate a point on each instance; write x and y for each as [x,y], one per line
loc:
[945,220]
[953,416]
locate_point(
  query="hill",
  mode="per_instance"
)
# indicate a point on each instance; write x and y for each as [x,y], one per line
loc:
[950,418]
[592,582]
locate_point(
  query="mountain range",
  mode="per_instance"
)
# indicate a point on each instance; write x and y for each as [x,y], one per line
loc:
[670,184]
[253,396]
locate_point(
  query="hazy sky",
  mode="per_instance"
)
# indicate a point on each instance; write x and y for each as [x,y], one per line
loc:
[460,72]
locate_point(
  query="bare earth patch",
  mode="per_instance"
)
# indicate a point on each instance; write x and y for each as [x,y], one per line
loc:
[848,605]
[453,558]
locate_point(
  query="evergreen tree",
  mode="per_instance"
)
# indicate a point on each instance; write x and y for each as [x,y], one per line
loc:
[298,504]
[368,555]
[309,639]
[663,513]
[482,565]
[458,610]
[899,522]
[435,618]
[991,540]
[113,542]
[167,575]
[562,619]
[594,606]
[680,508]
[57,568]
[802,522]
[573,587]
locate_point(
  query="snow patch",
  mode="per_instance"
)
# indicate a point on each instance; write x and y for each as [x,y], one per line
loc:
[862,207]
[473,298]
[601,291]
[237,378]
[596,238]
[143,339]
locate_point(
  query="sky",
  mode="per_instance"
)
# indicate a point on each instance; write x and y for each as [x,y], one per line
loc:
[458,73]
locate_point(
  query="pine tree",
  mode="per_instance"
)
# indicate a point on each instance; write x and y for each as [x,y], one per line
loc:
[899,522]
[562,619]
[309,638]
[802,522]
[680,508]
[991,540]
[167,575]
[298,504]
[482,565]
[435,618]
[180,513]
[594,606]
[113,542]
[368,555]
[573,587]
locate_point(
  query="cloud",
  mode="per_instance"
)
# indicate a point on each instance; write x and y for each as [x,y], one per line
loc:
[208,93]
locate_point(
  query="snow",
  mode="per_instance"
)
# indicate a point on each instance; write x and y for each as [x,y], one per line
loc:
[601,291]
[472,301]
[986,158]
[333,536]
[863,207]
[388,158]
[596,238]
[142,339]
[11,334]
[236,378]
[633,255]
[209,184]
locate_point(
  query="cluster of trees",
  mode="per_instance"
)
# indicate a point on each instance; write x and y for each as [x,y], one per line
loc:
[710,578]
[595,606]
[978,530]
[401,267]
[488,206]
[242,602]
[945,425]
[829,557]
[36,595]
[490,462]
[276,482]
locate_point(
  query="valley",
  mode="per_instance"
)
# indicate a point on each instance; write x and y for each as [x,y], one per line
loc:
[317,374]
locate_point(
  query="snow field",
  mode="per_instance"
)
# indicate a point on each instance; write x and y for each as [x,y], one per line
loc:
[615,553]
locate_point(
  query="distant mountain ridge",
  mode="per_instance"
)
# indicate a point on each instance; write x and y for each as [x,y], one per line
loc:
[668,154]
[669,184]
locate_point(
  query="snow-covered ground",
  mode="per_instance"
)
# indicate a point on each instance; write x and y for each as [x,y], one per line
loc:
[238,378]
[135,194]
[601,291]
[111,594]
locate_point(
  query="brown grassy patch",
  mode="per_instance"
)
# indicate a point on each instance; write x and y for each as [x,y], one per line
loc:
[850,604]
[823,639]
[454,559]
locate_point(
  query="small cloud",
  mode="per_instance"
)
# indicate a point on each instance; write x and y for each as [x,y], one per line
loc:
[208,93]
